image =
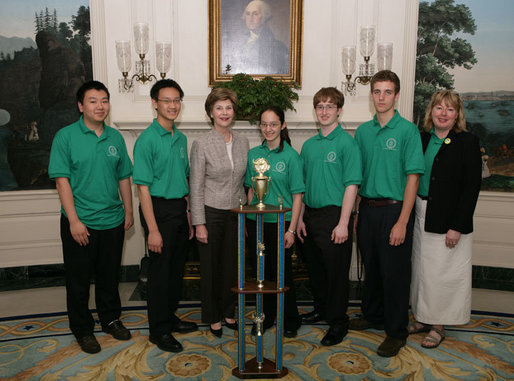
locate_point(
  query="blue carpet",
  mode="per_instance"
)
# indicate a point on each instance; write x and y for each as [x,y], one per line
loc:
[41,347]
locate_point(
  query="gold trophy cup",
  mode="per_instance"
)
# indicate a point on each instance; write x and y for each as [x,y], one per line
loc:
[260,183]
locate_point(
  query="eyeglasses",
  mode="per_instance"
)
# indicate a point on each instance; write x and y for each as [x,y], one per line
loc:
[169,101]
[272,124]
[327,107]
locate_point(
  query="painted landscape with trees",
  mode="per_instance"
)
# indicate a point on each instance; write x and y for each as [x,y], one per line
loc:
[444,28]
[39,82]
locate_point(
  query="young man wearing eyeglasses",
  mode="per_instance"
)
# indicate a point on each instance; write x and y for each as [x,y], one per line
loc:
[392,160]
[332,171]
[161,170]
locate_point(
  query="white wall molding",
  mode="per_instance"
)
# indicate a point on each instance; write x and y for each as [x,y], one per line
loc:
[408,73]
[99,53]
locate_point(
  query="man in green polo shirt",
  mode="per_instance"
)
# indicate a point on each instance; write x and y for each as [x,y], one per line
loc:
[161,171]
[392,161]
[89,163]
[332,170]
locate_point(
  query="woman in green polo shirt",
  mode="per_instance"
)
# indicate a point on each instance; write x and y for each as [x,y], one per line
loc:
[287,183]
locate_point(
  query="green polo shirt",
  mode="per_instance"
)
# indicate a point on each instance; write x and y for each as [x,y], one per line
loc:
[434,144]
[389,154]
[330,164]
[285,173]
[94,166]
[161,163]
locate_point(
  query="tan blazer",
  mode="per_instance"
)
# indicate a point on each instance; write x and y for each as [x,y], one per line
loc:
[212,181]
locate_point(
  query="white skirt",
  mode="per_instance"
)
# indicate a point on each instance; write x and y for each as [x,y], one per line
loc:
[441,277]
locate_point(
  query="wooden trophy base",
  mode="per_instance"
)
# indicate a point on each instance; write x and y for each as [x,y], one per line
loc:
[268,370]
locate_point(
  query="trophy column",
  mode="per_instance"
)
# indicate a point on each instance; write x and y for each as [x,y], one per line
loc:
[260,367]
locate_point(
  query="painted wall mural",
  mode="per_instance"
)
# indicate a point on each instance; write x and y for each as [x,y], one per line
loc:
[44,57]
[466,45]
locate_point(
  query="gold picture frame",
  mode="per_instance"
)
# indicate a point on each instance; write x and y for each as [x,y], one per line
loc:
[276,51]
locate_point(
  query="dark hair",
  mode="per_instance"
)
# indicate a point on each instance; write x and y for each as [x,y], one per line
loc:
[220,94]
[90,85]
[284,133]
[386,76]
[329,93]
[162,84]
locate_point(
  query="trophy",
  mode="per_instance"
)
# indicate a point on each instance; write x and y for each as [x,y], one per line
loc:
[258,319]
[259,366]
[260,183]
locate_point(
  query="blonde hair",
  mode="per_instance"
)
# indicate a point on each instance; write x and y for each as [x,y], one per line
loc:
[451,98]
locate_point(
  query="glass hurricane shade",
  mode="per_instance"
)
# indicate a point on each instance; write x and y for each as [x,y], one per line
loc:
[141,38]
[123,56]
[163,56]
[384,56]
[367,40]
[349,58]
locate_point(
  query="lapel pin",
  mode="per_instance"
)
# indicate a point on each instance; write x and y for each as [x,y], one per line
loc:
[447,141]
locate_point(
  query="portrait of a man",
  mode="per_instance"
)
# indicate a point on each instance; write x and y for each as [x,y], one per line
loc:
[255,37]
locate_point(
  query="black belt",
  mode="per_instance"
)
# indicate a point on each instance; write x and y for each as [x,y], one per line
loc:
[424,198]
[374,202]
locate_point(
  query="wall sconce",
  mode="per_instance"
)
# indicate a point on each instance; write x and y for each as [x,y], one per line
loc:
[367,69]
[142,67]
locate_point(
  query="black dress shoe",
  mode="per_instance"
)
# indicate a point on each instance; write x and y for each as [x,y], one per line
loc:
[166,342]
[182,326]
[216,332]
[311,317]
[290,333]
[117,330]
[390,346]
[232,326]
[334,336]
[361,324]
[89,344]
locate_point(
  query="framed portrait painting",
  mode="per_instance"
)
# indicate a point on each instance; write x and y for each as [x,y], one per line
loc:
[259,37]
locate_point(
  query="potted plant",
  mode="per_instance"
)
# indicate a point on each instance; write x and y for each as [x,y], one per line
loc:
[254,94]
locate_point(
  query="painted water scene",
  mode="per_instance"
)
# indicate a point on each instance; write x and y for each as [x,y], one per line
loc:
[466,45]
[45,56]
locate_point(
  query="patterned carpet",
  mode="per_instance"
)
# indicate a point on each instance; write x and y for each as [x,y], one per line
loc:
[42,348]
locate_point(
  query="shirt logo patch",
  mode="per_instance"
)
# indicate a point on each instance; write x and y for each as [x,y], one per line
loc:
[112,151]
[331,157]
[181,152]
[280,167]
[391,144]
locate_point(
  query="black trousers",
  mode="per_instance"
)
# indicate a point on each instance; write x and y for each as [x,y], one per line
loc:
[292,320]
[328,264]
[101,258]
[388,268]
[166,270]
[218,265]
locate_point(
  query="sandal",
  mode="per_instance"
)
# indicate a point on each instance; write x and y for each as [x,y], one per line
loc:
[417,327]
[431,341]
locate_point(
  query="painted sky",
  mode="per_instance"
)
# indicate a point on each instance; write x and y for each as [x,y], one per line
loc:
[17,16]
[493,44]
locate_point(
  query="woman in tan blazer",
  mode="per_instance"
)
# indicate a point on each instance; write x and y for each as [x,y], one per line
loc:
[218,166]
